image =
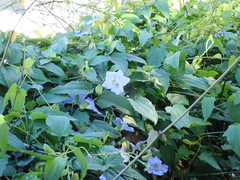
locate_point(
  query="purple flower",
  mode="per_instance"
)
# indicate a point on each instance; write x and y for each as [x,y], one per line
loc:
[82,32]
[82,98]
[155,166]
[124,125]
[102,177]
[115,81]
[137,146]
[124,156]
[219,33]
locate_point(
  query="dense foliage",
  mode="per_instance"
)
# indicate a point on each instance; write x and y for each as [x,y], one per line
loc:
[83,104]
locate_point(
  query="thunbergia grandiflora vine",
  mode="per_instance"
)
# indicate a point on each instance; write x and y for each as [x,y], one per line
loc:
[115,81]
[124,125]
[81,99]
[155,166]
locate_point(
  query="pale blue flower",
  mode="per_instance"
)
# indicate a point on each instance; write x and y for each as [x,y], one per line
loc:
[82,98]
[219,33]
[102,177]
[124,155]
[124,125]
[155,166]
[82,32]
[138,145]
[115,81]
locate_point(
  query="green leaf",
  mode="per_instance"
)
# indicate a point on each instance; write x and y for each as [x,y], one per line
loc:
[1,45]
[59,125]
[219,45]
[177,99]
[73,88]
[236,98]
[155,56]
[14,54]
[131,57]
[27,65]
[207,106]
[143,37]
[233,112]
[90,74]
[120,60]
[103,127]
[91,140]
[109,98]
[182,152]
[174,60]
[176,111]
[17,97]
[54,167]
[82,160]
[207,157]
[4,129]
[143,106]
[190,81]
[163,7]
[126,31]
[3,162]
[51,67]
[16,142]
[98,60]
[53,98]
[233,134]
[131,17]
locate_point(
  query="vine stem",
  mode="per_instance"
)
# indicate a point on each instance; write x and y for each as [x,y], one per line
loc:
[180,117]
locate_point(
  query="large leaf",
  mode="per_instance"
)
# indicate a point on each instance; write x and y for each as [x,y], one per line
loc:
[207,106]
[131,57]
[126,31]
[120,60]
[143,106]
[131,17]
[163,7]
[1,45]
[82,160]
[207,157]
[143,37]
[15,142]
[73,88]
[177,99]
[174,60]
[3,163]
[155,56]
[17,97]
[59,125]
[51,67]
[103,127]
[109,98]
[4,129]
[54,167]
[176,111]
[98,60]
[233,134]
[182,152]
[189,81]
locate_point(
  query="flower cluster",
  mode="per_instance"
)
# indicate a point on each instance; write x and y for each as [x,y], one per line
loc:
[155,166]
[115,81]
[219,33]
[124,125]
[81,99]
